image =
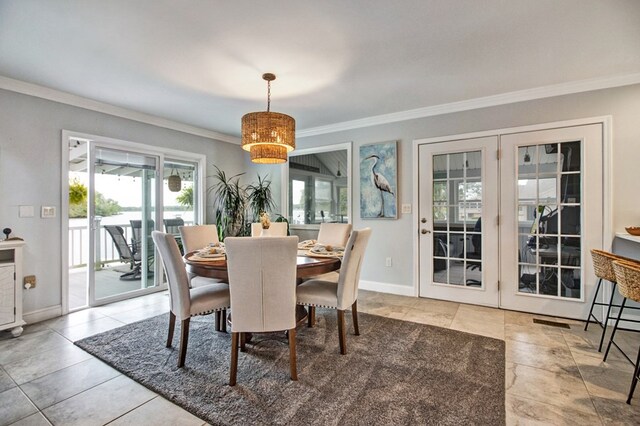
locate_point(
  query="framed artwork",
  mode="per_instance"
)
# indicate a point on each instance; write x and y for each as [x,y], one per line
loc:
[379,180]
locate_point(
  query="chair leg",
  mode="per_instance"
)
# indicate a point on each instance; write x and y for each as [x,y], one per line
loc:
[243,341]
[311,316]
[234,359]
[354,314]
[342,333]
[615,327]
[217,314]
[223,321]
[292,354]
[172,326]
[634,382]
[593,303]
[184,341]
[606,319]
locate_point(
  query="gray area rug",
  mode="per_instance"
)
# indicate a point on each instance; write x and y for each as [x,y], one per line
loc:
[395,372]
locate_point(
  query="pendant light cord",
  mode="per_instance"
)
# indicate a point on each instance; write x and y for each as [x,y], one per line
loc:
[268,95]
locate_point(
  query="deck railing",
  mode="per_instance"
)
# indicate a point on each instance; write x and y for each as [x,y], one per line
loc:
[106,251]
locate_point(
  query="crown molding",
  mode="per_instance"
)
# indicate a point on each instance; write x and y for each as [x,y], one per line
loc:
[90,104]
[477,103]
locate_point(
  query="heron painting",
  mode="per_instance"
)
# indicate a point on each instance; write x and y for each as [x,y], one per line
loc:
[378,180]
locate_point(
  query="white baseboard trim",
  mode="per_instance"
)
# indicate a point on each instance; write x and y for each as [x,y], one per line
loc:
[42,314]
[402,290]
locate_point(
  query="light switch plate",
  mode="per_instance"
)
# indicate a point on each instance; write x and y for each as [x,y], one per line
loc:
[406,208]
[48,212]
[25,211]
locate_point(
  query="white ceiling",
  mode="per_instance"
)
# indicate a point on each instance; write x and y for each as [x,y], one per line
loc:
[200,62]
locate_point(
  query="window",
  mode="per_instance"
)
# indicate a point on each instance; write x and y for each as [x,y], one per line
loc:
[318,185]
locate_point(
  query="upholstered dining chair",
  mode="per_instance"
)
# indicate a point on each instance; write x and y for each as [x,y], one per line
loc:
[277,229]
[185,302]
[262,281]
[338,294]
[198,236]
[335,234]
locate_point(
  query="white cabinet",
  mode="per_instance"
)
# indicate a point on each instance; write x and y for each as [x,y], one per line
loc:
[11,286]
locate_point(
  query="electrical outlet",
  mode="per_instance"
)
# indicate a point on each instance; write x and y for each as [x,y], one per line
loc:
[29,281]
[388,262]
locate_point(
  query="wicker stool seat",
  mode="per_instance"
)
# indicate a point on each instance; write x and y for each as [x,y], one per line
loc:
[628,279]
[603,266]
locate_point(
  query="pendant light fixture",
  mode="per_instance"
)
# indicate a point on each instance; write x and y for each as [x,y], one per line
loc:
[268,136]
[339,174]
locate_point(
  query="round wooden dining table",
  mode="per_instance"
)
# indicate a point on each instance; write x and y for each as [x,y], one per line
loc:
[306,267]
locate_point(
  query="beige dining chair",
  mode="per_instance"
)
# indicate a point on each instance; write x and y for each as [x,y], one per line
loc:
[262,281]
[277,229]
[185,302]
[335,234]
[195,238]
[198,236]
[338,294]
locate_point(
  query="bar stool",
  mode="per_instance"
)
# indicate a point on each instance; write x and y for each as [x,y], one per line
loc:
[603,266]
[628,278]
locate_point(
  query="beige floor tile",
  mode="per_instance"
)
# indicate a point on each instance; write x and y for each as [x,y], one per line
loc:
[80,331]
[30,344]
[615,412]
[42,363]
[481,313]
[101,404]
[36,419]
[143,312]
[608,380]
[436,306]
[554,358]
[478,327]
[394,299]
[558,389]
[524,411]
[155,412]
[6,382]
[382,309]
[70,381]
[531,333]
[74,318]
[438,319]
[14,405]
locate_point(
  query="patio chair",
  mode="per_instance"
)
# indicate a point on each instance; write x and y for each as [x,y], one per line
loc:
[125,253]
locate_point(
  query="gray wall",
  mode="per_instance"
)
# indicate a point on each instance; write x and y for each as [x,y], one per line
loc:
[394,238]
[30,174]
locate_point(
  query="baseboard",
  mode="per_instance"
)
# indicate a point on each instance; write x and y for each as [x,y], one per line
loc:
[42,314]
[390,288]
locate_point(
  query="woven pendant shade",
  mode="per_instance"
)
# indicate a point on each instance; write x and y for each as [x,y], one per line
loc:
[174,182]
[267,135]
[268,154]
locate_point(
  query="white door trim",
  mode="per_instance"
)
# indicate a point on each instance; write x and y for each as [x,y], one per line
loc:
[113,143]
[607,142]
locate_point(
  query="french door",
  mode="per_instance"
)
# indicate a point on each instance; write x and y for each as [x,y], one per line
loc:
[458,220]
[552,210]
[513,232]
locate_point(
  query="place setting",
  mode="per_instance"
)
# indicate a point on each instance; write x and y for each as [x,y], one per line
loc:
[314,249]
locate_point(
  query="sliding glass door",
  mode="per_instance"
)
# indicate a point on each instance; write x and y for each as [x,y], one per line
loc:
[122,214]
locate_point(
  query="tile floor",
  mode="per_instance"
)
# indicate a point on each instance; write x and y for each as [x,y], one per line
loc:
[553,375]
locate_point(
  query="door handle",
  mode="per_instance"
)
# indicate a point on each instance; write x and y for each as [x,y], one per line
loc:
[425,231]
[423,220]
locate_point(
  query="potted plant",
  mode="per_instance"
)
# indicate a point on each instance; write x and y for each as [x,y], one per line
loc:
[229,203]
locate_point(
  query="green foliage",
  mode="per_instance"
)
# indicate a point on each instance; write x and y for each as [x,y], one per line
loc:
[233,203]
[260,198]
[185,198]
[229,203]
[77,192]
[104,207]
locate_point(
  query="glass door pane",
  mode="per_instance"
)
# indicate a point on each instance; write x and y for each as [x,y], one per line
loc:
[123,198]
[458,227]
[180,197]
[549,207]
